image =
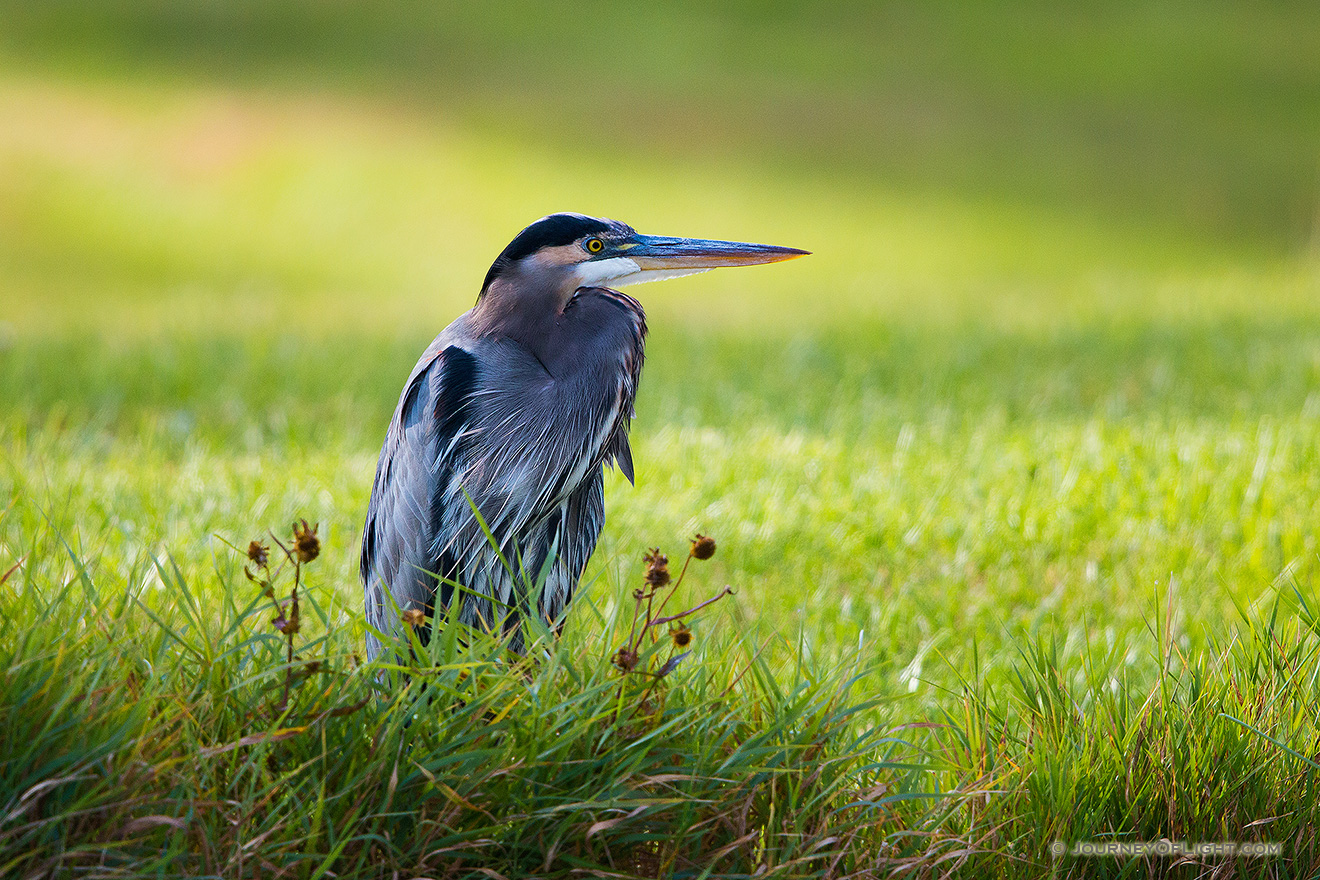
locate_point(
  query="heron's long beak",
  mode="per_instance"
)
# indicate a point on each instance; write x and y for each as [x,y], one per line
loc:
[653,257]
[658,252]
[642,258]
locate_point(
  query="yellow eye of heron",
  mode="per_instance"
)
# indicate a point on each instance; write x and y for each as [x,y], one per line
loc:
[595,245]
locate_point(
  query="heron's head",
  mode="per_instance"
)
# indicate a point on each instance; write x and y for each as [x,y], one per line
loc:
[564,252]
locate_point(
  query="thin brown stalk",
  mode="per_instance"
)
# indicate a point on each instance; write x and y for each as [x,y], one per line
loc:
[674,589]
[13,568]
[727,591]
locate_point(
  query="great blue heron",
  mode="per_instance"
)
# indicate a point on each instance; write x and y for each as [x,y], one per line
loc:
[514,410]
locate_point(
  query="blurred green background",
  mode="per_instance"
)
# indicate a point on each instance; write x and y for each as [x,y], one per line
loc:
[257,151]
[1058,341]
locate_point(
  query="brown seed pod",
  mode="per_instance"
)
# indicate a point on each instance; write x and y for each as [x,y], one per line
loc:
[257,552]
[657,577]
[306,546]
[703,547]
[625,658]
[657,568]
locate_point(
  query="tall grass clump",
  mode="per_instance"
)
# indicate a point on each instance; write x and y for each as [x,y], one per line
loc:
[153,724]
[1087,742]
[163,727]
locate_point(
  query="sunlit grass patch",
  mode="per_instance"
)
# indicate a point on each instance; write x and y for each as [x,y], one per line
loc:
[181,732]
[190,728]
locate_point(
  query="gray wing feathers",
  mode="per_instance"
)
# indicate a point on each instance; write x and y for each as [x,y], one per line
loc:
[527,451]
[397,534]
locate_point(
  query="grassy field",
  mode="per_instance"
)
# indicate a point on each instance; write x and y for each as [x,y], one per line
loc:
[1016,479]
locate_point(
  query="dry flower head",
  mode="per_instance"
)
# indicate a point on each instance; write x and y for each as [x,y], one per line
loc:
[625,658]
[306,546]
[258,553]
[657,568]
[681,635]
[703,547]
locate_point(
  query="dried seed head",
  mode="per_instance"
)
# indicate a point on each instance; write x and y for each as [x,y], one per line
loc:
[681,635]
[306,546]
[703,547]
[414,617]
[657,568]
[625,658]
[286,625]
[257,552]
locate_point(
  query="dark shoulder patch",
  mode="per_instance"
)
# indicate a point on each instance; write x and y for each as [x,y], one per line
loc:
[453,408]
[453,403]
[368,560]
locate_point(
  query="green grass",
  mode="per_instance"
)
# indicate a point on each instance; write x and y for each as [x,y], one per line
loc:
[1028,451]
[550,764]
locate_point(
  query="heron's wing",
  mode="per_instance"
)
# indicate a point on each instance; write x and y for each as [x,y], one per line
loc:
[515,442]
[398,537]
